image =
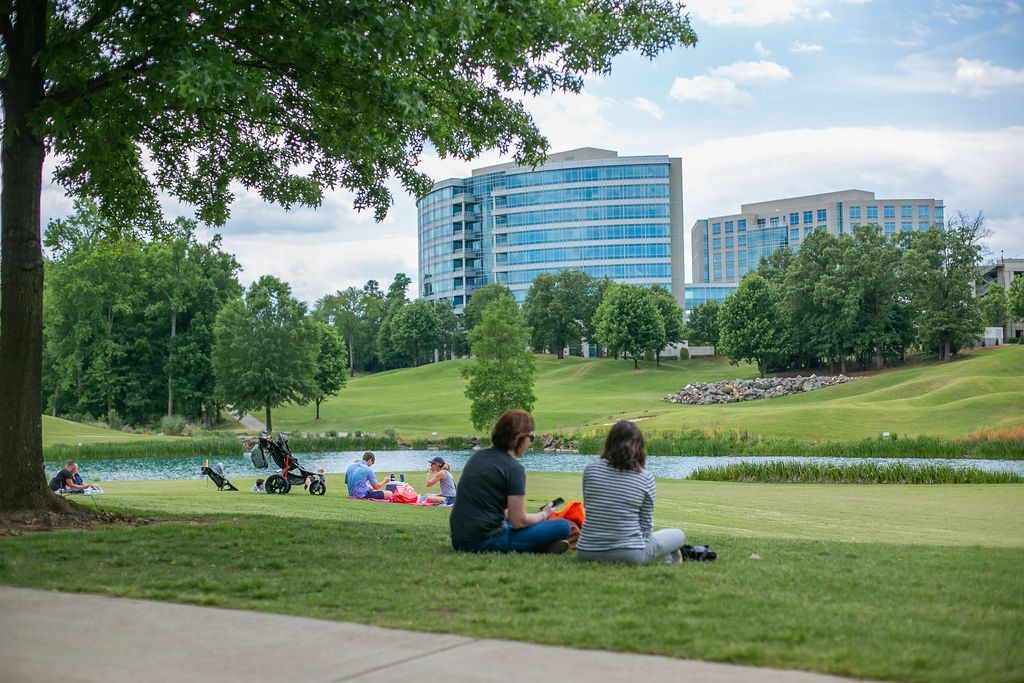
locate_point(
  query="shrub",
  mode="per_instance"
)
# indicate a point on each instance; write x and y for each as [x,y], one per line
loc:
[172,425]
[684,353]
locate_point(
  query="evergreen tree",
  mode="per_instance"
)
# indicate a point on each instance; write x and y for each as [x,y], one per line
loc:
[331,362]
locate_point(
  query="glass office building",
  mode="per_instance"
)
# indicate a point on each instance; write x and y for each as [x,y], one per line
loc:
[588,209]
[725,248]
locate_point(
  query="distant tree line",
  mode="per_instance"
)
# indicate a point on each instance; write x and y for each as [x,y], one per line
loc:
[862,298]
[136,331]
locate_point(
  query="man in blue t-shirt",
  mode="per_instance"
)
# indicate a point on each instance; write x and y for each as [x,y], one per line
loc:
[362,482]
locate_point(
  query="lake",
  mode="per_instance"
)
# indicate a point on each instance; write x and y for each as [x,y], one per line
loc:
[240,470]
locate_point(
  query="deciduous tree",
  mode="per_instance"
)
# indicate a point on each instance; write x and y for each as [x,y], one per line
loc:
[752,326]
[266,349]
[702,327]
[629,320]
[188,97]
[993,306]
[331,362]
[502,374]
[939,268]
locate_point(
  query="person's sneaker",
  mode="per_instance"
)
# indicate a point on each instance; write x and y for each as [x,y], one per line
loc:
[556,547]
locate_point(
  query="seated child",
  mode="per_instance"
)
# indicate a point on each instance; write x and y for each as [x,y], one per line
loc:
[259,486]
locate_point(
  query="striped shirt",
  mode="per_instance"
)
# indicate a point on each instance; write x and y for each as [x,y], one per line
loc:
[619,507]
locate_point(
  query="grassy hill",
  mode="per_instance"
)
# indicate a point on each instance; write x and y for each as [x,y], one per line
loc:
[981,389]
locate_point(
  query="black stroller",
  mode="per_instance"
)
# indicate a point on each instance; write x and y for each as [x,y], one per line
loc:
[291,473]
[216,473]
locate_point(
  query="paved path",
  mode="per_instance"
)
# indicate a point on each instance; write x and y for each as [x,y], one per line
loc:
[46,636]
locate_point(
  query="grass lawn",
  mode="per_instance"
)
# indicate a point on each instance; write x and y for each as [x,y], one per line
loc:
[982,389]
[892,582]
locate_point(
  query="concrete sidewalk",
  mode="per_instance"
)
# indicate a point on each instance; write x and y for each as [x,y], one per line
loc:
[72,637]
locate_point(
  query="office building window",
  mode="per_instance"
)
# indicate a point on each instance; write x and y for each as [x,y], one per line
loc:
[716,243]
[716,228]
[794,234]
[728,242]
[773,222]
[760,222]
[717,266]
[794,219]
[890,227]
[808,231]
[728,227]
[922,226]
[906,211]
[890,211]
[938,214]
[741,225]
[872,211]
[923,211]
[854,213]
[822,215]
[808,216]
[906,226]
[741,240]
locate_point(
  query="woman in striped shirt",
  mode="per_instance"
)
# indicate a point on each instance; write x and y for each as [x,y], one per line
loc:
[618,498]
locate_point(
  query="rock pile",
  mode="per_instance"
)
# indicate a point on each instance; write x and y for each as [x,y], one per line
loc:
[736,390]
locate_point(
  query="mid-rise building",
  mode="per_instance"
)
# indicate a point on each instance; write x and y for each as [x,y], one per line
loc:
[725,248]
[1001,272]
[588,209]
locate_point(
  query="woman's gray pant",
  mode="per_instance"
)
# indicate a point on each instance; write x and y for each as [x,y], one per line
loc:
[660,543]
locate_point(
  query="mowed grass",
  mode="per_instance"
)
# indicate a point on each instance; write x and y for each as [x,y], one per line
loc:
[571,393]
[58,431]
[889,582]
[980,389]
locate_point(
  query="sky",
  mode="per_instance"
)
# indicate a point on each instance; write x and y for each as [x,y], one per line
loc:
[779,98]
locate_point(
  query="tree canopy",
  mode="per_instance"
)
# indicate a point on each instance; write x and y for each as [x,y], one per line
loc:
[752,326]
[502,374]
[194,98]
[265,352]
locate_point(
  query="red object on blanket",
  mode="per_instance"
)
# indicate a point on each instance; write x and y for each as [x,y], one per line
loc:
[405,494]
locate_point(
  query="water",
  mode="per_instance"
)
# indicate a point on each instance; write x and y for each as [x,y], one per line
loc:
[240,470]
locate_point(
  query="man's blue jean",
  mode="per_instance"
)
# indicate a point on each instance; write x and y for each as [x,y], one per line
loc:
[531,539]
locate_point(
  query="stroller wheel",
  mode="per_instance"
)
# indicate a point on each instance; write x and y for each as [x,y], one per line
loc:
[277,484]
[317,488]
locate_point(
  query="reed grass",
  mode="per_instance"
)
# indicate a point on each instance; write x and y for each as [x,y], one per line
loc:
[323,444]
[861,473]
[178,447]
[982,444]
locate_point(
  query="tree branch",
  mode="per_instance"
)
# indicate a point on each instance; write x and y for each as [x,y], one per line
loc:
[133,67]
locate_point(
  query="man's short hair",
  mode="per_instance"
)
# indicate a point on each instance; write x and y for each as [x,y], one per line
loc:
[69,463]
[368,456]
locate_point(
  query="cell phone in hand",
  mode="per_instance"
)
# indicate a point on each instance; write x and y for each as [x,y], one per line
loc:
[555,503]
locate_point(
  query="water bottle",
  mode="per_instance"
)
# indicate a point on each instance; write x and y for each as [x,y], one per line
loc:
[401,477]
[392,476]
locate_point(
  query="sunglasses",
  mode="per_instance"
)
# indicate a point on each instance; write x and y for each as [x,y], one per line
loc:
[531,437]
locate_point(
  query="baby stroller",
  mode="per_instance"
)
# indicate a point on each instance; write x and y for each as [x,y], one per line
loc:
[291,473]
[216,473]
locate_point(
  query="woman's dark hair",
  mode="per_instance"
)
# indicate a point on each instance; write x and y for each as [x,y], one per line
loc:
[510,428]
[624,447]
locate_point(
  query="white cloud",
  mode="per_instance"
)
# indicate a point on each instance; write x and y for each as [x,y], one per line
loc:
[970,171]
[720,85]
[645,105]
[759,12]
[751,72]
[801,46]
[761,50]
[1013,8]
[719,91]
[978,78]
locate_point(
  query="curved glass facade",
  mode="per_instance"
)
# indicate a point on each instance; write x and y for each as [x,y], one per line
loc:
[586,209]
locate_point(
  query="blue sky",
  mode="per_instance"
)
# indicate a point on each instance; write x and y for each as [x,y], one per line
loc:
[778,98]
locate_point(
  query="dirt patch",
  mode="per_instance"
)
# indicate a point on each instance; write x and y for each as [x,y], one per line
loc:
[21,522]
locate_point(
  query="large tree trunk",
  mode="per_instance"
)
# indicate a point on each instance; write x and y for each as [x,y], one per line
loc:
[22,479]
[270,427]
[170,365]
